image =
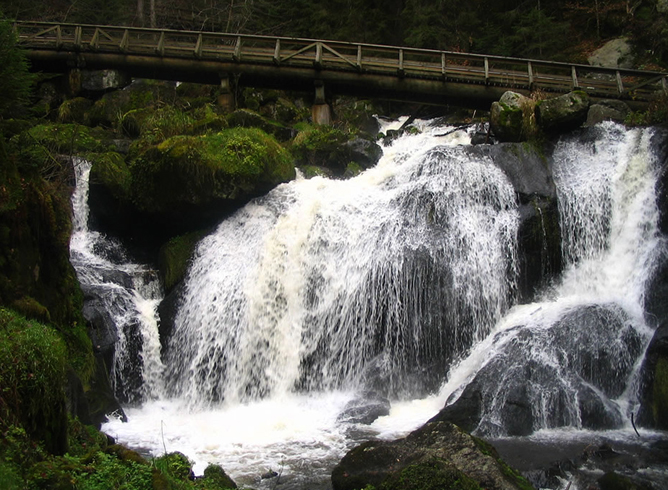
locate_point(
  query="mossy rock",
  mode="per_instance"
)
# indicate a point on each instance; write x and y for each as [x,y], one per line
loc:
[660,393]
[321,146]
[215,478]
[246,118]
[615,481]
[125,454]
[511,118]
[110,171]
[563,113]
[311,171]
[174,258]
[75,110]
[235,164]
[435,474]
[175,465]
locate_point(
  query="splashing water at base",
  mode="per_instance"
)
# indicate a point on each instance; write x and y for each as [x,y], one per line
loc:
[253,407]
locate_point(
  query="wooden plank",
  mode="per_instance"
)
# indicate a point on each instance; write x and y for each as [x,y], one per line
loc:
[574,77]
[339,55]
[486,70]
[400,70]
[77,37]
[59,38]
[664,84]
[359,57]
[94,42]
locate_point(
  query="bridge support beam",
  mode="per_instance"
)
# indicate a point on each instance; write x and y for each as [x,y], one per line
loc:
[321,113]
[226,97]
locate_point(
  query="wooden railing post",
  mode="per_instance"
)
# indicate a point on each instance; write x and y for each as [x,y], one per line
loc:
[78,34]
[359,56]
[664,85]
[486,70]
[620,85]
[237,50]
[530,71]
[400,70]
[198,47]
[160,49]
[317,62]
[59,37]
[125,41]
[443,68]
[277,52]
[574,76]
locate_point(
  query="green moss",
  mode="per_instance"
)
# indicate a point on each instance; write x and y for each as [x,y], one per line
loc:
[232,164]
[215,478]
[110,170]
[513,475]
[33,361]
[74,110]
[174,258]
[175,466]
[436,474]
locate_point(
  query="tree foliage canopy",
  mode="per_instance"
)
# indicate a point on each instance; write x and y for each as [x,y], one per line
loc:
[15,79]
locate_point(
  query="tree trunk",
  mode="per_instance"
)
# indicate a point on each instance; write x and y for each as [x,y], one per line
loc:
[152,13]
[140,12]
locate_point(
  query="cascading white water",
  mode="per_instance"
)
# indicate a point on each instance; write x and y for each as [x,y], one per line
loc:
[570,360]
[121,294]
[378,281]
[381,282]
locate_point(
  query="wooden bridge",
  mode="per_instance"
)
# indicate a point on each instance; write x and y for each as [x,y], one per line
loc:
[409,74]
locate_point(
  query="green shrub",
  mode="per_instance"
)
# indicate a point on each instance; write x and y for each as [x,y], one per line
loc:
[33,361]
[15,79]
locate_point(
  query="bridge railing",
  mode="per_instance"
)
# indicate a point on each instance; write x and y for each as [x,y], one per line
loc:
[335,55]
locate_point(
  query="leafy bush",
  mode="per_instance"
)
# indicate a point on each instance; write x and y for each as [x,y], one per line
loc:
[33,360]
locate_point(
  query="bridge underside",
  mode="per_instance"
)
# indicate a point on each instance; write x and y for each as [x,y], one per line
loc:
[421,90]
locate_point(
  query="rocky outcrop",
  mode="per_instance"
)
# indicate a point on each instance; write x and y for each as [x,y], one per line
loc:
[511,117]
[571,385]
[563,113]
[607,110]
[617,53]
[438,455]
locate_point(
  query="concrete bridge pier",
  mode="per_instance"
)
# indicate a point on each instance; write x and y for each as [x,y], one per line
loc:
[321,113]
[226,97]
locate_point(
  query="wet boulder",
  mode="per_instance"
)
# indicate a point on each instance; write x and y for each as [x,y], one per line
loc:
[511,117]
[562,113]
[187,183]
[365,409]
[438,455]
[654,388]
[552,374]
[607,110]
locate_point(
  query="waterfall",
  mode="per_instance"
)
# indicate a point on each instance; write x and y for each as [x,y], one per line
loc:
[401,284]
[376,282]
[121,300]
[571,358]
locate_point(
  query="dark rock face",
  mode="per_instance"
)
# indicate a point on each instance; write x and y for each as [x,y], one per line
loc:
[654,391]
[440,450]
[365,409]
[507,117]
[364,152]
[528,170]
[607,110]
[562,113]
[526,386]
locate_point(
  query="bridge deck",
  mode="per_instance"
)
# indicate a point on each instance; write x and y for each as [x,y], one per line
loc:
[405,73]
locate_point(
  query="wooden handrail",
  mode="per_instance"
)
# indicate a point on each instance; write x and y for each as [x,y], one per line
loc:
[340,55]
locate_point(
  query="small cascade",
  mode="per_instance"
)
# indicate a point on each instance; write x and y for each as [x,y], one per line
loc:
[121,300]
[571,359]
[377,282]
